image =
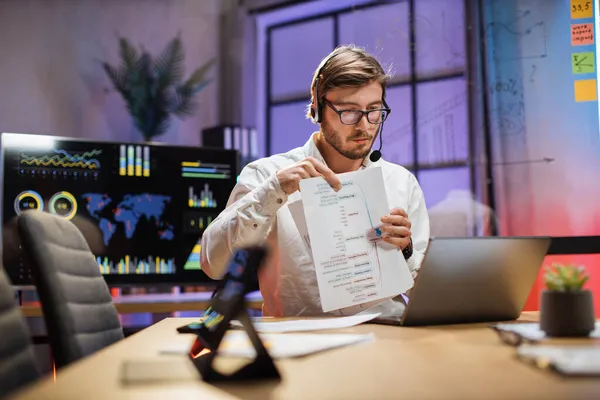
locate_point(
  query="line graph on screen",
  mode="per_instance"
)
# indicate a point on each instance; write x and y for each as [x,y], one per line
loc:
[63,159]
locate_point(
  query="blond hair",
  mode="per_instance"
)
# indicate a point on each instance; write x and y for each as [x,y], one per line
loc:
[346,66]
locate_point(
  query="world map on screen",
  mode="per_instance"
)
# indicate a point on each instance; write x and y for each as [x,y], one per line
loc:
[128,212]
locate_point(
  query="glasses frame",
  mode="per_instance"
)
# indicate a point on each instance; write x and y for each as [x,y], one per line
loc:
[364,113]
[509,337]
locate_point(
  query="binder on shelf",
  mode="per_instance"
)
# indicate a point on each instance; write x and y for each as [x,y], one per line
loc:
[240,138]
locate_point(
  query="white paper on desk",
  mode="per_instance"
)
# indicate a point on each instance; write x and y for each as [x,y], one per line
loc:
[310,324]
[289,345]
[237,344]
[570,359]
[531,330]
[350,269]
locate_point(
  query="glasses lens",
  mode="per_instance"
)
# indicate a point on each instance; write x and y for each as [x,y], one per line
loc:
[350,117]
[377,116]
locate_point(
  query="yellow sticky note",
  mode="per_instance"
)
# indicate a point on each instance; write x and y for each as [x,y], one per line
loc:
[582,9]
[585,90]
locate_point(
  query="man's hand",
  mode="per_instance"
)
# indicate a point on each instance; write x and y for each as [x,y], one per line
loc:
[397,227]
[290,177]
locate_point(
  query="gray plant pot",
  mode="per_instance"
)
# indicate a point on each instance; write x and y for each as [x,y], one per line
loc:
[567,314]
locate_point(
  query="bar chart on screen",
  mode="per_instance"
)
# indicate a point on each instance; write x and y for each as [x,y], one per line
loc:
[134,160]
[203,200]
[135,265]
[196,221]
[200,170]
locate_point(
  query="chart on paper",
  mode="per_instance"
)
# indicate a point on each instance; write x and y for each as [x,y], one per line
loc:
[353,264]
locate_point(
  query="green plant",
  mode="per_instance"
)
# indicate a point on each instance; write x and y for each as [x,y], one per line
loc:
[565,278]
[153,88]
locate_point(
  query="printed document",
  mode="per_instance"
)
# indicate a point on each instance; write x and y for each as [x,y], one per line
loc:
[237,344]
[309,324]
[352,262]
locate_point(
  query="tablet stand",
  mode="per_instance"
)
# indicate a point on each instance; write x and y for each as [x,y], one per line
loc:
[228,305]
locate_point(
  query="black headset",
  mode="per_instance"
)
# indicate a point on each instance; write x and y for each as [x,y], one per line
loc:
[317,112]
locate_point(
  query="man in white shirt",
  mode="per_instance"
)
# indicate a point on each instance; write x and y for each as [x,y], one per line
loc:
[348,102]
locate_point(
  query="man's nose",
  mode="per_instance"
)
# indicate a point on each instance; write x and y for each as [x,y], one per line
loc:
[363,123]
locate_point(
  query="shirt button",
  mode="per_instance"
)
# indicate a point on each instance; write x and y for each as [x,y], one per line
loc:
[279,201]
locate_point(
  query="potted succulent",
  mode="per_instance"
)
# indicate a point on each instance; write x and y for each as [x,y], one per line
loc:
[566,308]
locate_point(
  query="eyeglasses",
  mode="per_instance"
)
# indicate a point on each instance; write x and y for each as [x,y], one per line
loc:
[352,117]
[510,338]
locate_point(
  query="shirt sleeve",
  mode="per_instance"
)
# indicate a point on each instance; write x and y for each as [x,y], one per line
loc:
[419,219]
[246,221]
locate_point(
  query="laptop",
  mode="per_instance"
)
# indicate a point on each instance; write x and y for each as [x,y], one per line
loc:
[472,279]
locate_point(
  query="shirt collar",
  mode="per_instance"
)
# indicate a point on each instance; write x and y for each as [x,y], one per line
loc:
[310,150]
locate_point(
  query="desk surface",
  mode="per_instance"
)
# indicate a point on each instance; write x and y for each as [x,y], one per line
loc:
[449,362]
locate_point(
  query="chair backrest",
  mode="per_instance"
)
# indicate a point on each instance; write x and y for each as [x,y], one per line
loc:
[18,366]
[78,309]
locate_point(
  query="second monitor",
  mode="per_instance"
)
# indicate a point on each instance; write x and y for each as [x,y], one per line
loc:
[141,207]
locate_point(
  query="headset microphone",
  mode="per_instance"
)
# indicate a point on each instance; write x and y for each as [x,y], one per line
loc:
[376,154]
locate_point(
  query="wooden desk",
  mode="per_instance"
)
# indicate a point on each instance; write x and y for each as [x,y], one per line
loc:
[450,362]
[157,303]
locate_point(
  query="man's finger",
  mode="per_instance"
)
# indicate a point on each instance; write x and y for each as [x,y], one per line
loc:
[310,168]
[399,211]
[397,231]
[399,242]
[328,174]
[396,220]
[303,173]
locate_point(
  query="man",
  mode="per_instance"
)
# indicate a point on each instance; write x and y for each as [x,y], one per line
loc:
[348,101]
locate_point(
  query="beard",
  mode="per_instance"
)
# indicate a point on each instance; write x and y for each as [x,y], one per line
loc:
[335,140]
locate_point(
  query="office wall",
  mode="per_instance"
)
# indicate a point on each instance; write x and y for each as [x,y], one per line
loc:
[51,76]
[534,117]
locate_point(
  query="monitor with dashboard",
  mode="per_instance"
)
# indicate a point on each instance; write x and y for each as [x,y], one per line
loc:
[141,207]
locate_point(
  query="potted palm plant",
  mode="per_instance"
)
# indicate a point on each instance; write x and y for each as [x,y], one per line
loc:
[566,308]
[153,87]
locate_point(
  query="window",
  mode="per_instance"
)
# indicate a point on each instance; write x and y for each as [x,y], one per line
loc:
[422,44]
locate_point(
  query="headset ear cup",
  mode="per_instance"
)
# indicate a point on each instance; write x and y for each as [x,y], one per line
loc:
[317,107]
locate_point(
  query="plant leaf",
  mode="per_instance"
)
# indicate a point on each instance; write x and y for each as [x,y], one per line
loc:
[168,66]
[129,55]
[117,78]
[182,104]
[197,78]
[566,278]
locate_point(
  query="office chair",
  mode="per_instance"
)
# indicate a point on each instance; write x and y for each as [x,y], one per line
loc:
[78,309]
[18,366]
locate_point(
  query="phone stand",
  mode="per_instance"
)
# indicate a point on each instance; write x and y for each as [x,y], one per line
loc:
[228,305]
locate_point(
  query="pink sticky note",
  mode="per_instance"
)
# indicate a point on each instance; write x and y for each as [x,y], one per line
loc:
[582,34]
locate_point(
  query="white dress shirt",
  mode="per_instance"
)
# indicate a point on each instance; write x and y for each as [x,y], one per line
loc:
[257,213]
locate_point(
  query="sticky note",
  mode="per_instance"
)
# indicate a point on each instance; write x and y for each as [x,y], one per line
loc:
[583,63]
[585,90]
[582,9]
[582,34]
